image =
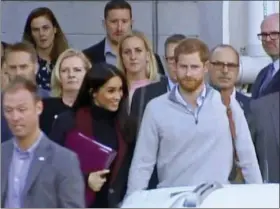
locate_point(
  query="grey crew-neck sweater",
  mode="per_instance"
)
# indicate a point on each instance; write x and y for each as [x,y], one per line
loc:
[188,150]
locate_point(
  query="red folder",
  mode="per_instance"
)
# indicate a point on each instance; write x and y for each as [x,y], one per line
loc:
[93,156]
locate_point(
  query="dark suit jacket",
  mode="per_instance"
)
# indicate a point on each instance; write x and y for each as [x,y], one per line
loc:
[143,95]
[273,86]
[54,181]
[244,102]
[95,54]
[264,125]
[52,108]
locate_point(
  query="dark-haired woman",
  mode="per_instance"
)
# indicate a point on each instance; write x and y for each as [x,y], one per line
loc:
[101,106]
[44,32]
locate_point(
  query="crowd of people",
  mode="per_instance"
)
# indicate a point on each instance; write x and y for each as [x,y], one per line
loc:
[178,125]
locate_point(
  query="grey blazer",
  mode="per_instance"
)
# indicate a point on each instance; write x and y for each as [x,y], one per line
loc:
[264,126]
[55,182]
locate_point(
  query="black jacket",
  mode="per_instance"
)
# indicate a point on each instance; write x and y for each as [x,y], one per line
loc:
[67,121]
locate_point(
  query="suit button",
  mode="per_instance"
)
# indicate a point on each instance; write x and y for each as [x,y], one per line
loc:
[111,191]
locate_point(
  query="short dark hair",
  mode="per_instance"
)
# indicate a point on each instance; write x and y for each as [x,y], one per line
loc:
[174,39]
[22,47]
[20,82]
[225,46]
[117,4]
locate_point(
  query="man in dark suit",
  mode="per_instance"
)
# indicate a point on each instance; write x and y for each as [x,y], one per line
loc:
[35,172]
[117,22]
[20,59]
[268,80]
[143,95]
[264,125]
[223,72]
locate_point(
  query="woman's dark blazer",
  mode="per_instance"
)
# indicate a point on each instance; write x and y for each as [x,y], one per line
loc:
[52,107]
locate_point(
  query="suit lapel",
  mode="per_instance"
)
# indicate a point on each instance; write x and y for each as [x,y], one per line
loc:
[274,81]
[6,159]
[257,85]
[40,157]
[274,112]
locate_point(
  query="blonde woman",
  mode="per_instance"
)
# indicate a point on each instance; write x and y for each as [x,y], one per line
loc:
[137,60]
[4,75]
[67,77]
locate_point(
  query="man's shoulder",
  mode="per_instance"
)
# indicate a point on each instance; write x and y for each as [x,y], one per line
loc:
[95,48]
[61,153]
[151,87]
[156,103]
[265,101]
[6,144]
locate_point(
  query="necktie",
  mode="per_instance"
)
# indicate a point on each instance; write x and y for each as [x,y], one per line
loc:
[268,77]
[238,176]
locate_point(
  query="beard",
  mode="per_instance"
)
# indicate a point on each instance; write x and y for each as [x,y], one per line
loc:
[190,84]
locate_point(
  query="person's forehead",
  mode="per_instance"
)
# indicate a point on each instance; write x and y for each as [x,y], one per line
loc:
[133,41]
[17,97]
[119,13]
[171,47]
[271,23]
[224,54]
[18,55]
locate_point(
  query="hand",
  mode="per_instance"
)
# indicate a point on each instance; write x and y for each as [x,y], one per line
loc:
[97,179]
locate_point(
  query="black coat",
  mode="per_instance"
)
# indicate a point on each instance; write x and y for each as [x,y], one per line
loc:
[63,124]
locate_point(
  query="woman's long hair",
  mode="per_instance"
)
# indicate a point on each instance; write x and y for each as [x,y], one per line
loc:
[152,68]
[94,79]
[60,42]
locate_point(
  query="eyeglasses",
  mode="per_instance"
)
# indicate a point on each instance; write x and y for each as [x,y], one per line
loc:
[273,36]
[222,65]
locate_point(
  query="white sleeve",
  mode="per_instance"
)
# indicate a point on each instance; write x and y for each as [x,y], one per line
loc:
[245,148]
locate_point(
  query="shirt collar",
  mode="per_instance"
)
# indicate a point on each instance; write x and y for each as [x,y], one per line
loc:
[171,84]
[31,149]
[233,94]
[276,66]
[199,99]
[108,49]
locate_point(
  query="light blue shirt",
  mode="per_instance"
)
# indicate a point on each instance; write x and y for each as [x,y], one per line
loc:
[276,67]
[170,84]
[18,173]
[199,101]
[109,54]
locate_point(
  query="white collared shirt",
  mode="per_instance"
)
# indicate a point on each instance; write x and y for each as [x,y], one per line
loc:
[199,100]
[276,66]
[170,84]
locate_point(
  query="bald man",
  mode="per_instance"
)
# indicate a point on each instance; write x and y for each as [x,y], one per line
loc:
[223,72]
[268,80]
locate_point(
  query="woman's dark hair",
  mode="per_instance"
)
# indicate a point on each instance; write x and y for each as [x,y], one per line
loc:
[94,79]
[60,41]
